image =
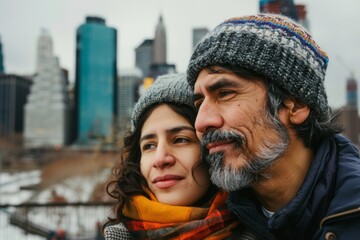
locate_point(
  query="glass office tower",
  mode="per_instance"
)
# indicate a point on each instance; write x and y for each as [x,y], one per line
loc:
[95,86]
[1,58]
[14,91]
[143,56]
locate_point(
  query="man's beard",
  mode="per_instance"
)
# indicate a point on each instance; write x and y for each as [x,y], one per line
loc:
[231,178]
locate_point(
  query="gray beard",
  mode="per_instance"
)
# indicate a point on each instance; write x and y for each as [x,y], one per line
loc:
[229,177]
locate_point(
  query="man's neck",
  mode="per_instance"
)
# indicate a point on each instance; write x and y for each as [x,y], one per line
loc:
[285,177]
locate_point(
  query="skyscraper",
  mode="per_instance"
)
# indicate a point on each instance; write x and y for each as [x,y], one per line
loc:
[197,35]
[144,55]
[301,14]
[13,93]
[95,86]
[160,69]
[128,89]
[2,70]
[284,7]
[351,92]
[159,65]
[349,113]
[159,53]
[287,8]
[46,110]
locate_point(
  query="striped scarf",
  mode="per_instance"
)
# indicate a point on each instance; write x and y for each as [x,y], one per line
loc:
[148,219]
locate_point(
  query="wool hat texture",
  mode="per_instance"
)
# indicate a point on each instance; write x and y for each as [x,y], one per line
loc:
[273,45]
[169,88]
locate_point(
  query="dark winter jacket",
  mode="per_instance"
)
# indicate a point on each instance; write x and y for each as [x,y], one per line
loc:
[327,206]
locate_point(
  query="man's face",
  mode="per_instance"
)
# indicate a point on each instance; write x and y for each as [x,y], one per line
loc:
[238,137]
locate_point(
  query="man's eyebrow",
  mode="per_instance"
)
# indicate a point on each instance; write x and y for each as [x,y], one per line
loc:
[222,82]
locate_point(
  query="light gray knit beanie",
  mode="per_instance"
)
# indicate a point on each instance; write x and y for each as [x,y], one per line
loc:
[170,88]
[273,45]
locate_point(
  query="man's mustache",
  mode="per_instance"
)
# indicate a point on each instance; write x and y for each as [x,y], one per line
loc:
[214,136]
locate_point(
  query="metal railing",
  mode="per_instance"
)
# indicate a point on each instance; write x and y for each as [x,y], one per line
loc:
[73,221]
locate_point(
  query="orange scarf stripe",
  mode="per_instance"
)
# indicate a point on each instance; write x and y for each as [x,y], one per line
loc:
[149,219]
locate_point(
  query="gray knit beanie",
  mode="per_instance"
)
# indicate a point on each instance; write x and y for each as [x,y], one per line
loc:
[170,88]
[272,45]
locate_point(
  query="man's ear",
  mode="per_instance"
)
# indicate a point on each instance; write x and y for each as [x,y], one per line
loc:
[296,112]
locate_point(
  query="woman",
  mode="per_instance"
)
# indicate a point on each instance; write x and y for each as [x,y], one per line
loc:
[163,189]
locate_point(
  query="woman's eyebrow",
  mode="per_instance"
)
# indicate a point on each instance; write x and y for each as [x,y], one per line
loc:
[147,136]
[171,131]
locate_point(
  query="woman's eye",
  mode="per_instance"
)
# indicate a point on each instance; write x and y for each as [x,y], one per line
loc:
[148,146]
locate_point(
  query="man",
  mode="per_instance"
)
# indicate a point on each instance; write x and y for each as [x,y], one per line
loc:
[267,130]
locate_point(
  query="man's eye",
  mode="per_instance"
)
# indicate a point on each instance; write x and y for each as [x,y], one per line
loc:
[181,140]
[225,93]
[197,104]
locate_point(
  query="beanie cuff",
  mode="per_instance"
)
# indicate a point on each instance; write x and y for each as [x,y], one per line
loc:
[277,52]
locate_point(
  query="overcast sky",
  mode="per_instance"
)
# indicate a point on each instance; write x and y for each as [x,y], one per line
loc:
[334,25]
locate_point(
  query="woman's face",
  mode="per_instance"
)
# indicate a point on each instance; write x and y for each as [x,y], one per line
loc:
[169,152]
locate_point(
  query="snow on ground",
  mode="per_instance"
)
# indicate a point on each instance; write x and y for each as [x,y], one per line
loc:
[10,232]
[74,189]
[10,193]
[10,184]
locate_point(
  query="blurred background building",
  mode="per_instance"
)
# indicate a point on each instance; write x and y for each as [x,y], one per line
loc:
[14,91]
[197,35]
[144,56]
[159,53]
[96,81]
[128,93]
[287,8]
[159,65]
[2,70]
[46,110]
[349,114]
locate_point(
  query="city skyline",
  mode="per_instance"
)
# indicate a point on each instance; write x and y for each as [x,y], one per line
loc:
[19,28]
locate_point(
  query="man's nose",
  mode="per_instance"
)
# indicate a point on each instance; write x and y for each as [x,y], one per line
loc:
[208,117]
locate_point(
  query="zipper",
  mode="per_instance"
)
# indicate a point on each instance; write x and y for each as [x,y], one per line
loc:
[337,215]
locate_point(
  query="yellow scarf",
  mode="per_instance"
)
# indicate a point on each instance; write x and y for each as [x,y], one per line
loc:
[148,219]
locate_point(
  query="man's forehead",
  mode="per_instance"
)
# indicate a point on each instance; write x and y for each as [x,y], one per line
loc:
[210,78]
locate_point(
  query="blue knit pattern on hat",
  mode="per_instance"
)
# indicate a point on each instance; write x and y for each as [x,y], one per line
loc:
[170,88]
[273,45]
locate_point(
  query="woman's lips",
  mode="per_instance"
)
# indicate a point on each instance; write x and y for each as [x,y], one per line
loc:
[166,181]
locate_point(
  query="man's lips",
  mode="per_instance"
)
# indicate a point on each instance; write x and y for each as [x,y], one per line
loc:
[217,146]
[166,181]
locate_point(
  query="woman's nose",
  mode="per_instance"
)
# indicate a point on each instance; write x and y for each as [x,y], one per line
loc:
[163,156]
